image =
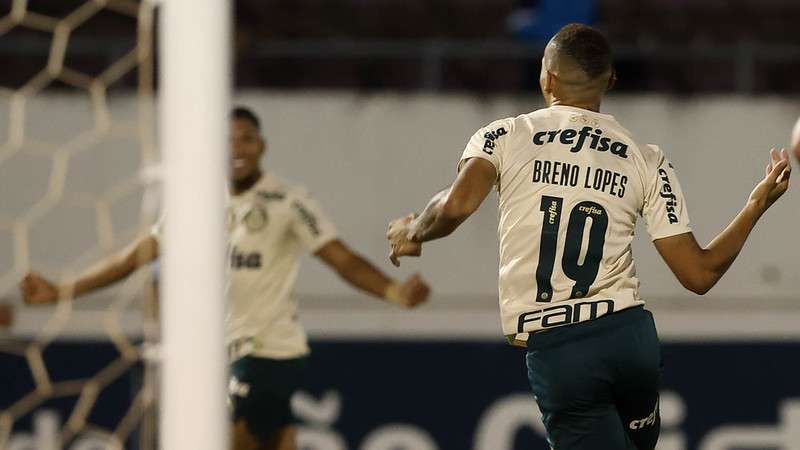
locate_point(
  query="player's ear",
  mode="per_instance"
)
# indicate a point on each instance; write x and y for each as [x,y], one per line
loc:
[612,80]
[548,81]
[262,146]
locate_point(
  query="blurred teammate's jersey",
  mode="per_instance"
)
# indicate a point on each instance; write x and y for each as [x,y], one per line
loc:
[572,184]
[270,227]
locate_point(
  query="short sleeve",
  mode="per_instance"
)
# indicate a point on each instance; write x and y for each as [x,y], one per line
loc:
[488,143]
[664,208]
[310,224]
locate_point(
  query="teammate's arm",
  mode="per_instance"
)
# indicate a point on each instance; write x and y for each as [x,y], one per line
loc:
[446,210]
[316,233]
[698,269]
[361,274]
[37,290]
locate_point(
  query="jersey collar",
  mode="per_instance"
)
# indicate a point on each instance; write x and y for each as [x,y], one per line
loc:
[266,180]
[582,111]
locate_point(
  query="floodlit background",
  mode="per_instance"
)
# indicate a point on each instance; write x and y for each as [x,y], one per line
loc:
[369,104]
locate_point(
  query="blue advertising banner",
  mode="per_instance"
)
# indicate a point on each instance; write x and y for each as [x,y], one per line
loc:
[427,395]
[84,392]
[472,396]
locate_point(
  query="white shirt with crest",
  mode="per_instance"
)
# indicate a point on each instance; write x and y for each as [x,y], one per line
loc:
[270,227]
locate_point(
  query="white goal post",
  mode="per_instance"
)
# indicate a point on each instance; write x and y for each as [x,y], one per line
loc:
[195,98]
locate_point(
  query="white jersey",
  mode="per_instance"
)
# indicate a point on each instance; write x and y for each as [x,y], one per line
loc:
[270,227]
[572,184]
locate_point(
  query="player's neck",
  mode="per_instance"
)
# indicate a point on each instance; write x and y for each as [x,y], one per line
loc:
[243,185]
[590,105]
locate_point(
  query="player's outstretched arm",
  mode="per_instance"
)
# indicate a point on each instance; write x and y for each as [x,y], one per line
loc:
[445,212]
[698,269]
[361,274]
[37,290]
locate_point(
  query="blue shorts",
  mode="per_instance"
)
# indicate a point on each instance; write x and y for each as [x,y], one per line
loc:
[261,390]
[597,382]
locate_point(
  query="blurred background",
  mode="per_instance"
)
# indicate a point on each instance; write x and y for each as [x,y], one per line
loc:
[369,103]
[482,47]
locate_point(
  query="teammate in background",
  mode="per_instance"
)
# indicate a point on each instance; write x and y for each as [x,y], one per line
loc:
[571,182]
[271,225]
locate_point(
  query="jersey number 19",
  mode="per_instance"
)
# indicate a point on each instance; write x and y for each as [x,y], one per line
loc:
[583,274]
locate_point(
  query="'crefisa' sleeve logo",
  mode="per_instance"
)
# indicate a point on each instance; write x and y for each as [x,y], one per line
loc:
[668,194]
[491,139]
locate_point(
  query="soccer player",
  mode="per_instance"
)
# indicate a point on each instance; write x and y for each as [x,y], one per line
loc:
[271,224]
[571,183]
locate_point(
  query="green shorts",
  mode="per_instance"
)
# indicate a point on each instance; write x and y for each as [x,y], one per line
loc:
[261,390]
[597,382]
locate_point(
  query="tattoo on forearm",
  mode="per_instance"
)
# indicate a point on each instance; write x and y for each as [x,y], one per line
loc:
[422,224]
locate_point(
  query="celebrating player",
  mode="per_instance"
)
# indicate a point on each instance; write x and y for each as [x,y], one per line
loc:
[572,182]
[271,224]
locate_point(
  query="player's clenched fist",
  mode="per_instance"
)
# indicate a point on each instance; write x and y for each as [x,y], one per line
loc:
[37,290]
[398,239]
[412,292]
[775,182]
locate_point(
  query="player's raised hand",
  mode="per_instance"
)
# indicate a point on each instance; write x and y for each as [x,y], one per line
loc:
[413,292]
[775,182]
[398,239]
[38,290]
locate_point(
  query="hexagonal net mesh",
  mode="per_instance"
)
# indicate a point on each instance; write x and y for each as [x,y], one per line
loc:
[76,133]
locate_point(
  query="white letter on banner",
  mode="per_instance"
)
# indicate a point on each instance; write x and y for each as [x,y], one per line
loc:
[399,437]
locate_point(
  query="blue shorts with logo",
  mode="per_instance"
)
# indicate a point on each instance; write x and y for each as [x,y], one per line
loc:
[597,382]
[261,390]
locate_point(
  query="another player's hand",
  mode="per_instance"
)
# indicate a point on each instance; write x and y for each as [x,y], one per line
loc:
[412,292]
[37,290]
[398,240]
[775,182]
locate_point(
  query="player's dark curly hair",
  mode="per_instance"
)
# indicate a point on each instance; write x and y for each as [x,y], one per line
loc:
[587,46]
[245,113]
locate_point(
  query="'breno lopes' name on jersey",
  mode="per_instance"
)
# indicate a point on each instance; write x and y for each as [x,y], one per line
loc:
[566,174]
[572,184]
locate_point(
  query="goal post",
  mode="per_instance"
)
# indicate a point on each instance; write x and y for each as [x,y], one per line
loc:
[195,101]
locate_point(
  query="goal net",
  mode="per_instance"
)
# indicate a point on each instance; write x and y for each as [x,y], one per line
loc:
[77,152]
